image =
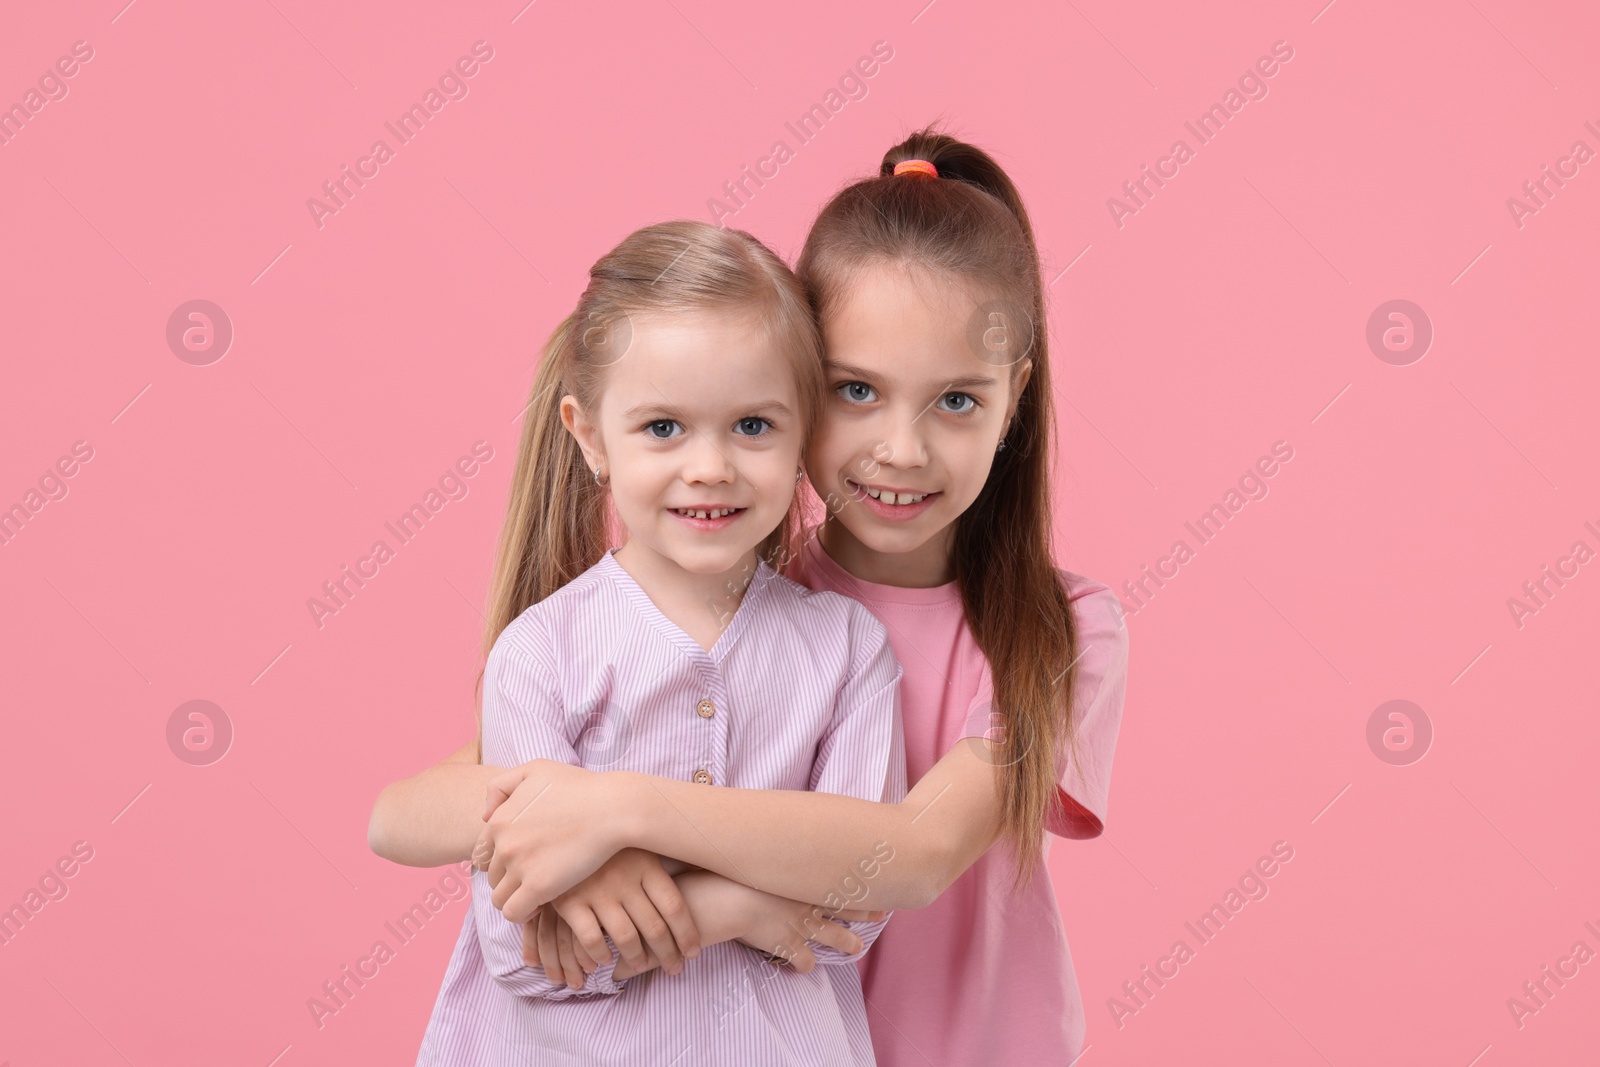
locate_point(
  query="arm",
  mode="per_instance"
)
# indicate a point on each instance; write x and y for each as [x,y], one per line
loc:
[434,817]
[725,910]
[949,819]
[788,842]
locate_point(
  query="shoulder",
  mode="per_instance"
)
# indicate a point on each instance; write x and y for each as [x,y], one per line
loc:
[532,633]
[822,611]
[1097,613]
[816,604]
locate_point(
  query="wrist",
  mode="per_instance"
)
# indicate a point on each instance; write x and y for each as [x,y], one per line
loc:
[626,823]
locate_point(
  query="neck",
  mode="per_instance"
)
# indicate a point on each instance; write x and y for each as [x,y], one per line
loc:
[924,567]
[700,604]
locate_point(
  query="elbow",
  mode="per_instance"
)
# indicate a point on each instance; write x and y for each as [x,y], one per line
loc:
[380,839]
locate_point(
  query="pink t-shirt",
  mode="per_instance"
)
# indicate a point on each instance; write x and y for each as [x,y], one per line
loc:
[981,976]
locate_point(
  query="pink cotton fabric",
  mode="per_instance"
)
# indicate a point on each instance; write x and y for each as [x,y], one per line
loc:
[982,976]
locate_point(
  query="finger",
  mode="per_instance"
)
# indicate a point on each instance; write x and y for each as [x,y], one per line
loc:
[569,961]
[515,898]
[835,936]
[500,789]
[586,931]
[530,943]
[801,960]
[549,958]
[655,931]
[670,905]
[586,961]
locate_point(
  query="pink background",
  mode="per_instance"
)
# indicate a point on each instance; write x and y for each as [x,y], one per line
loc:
[1229,313]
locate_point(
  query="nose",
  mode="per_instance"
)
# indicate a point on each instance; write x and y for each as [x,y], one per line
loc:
[706,462]
[904,444]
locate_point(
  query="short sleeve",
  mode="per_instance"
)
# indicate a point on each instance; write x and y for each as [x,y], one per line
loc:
[1084,784]
[863,755]
[522,720]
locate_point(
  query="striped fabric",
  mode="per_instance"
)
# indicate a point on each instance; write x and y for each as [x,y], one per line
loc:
[801,691]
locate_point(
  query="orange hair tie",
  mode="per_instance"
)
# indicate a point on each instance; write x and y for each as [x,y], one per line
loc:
[916,166]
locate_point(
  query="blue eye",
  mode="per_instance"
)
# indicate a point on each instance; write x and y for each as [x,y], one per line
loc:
[959,403]
[662,429]
[752,426]
[857,392]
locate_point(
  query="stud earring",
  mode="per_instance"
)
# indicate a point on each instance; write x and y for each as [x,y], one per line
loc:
[798,475]
[598,479]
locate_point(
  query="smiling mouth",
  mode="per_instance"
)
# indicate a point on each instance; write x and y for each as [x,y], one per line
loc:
[890,497]
[706,513]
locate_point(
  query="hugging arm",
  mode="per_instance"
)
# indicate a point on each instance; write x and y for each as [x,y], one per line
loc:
[853,834]
[434,817]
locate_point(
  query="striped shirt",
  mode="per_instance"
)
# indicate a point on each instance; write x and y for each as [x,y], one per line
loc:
[800,691]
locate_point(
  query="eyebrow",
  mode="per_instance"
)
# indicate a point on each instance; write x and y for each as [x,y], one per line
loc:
[639,411]
[971,381]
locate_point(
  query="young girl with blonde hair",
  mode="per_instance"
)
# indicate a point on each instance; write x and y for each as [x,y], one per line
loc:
[680,392]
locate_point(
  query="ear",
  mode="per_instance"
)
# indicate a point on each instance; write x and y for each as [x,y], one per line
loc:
[1023,374]
[584,431]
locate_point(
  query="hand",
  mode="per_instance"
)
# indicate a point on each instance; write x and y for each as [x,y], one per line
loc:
[780,926]
[547,942]
[532,858]
[630,897]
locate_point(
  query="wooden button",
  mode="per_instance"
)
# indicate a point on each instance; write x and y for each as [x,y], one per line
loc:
[706,709]
[702,777]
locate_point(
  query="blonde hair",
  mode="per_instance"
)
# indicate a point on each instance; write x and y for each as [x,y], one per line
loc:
[557,522]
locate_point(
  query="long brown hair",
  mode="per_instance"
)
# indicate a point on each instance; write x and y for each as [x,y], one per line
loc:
[969,223]
[557,523]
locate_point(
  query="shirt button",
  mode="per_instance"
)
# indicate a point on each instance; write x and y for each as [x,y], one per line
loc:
[706,709]
[702,777]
